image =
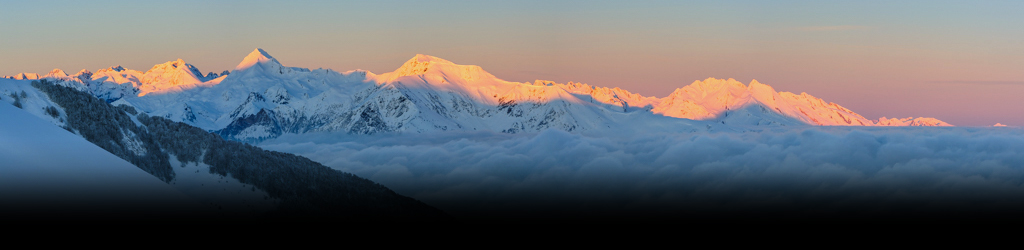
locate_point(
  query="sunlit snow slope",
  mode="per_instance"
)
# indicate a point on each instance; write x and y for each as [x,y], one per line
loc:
[51,173]
[261,98]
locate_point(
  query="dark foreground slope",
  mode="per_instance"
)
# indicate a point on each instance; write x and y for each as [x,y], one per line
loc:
[305,189]
[81,181]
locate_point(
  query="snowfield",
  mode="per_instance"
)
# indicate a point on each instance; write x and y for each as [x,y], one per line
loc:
[47,172]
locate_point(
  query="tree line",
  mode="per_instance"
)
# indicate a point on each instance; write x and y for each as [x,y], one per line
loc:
[304,187]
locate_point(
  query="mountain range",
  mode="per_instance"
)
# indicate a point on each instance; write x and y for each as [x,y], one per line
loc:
[185,128]
[54,176]
[261,99]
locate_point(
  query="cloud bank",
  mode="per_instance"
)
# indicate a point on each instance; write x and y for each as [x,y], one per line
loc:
[819,171]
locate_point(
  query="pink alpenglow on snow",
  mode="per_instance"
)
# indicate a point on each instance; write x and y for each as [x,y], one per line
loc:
[258,56]
[910,121]
[709,99]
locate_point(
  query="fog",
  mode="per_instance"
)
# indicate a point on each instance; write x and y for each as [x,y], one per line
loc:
[810,170]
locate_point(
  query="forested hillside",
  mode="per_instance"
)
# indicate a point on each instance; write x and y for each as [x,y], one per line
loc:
[305,189]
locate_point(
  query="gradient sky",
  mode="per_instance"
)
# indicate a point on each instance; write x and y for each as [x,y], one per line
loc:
[959,61]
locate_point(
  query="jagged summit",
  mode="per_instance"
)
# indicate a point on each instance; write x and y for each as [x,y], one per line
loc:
[56,73]
[261,52]
[261,98]
[257,56]
[83,75]
[117,68]
[25,76]
[176,63]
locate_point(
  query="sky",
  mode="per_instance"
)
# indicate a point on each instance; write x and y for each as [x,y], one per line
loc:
[958,61]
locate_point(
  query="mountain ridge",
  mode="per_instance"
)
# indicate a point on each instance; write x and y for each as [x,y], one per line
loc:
[229,177]
[262,98]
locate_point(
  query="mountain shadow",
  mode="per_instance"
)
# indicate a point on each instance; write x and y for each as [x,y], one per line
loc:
[307,190]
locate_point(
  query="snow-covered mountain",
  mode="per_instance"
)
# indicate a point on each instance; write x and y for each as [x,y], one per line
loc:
[261,98]
[233,179]
[117,82]
[910,121]
[49,173]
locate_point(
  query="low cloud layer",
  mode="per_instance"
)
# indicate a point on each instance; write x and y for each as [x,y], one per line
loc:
[812,170]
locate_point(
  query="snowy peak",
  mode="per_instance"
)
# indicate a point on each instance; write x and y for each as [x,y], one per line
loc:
[712,88]
[758,87]
[705,99]
[420,64]
[56,73]
[112,69]
[170,76]
[169,66]
[428,93]
[716,98]
[83,74]
[172,73]
[117,74]
[430,65]
[24,76]
[911,121]
[717,94]
[713,84]
[257,56]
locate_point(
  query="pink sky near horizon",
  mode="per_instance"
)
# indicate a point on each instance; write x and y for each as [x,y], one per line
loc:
[958,62]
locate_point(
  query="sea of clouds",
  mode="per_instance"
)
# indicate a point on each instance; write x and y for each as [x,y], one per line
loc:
[807,170]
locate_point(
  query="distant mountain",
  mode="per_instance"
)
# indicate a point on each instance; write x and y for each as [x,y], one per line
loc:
[117,82]
[261,98]
[910,121]
[234,179]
